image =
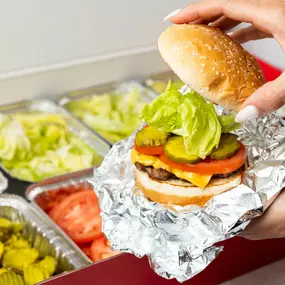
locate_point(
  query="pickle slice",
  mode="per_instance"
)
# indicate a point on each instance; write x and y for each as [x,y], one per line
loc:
[228,146]
[175,150]
[11,278]
[151,137]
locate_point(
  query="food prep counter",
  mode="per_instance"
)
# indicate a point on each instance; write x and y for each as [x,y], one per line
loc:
[62,208]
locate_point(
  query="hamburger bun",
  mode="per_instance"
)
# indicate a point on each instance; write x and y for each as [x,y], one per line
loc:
[211,63]
[178,192]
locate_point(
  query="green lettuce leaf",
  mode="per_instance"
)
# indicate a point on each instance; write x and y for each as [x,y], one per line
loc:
[228,123]
[162,113]
[188,115]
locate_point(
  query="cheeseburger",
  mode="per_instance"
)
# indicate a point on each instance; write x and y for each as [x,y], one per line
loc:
[186,154]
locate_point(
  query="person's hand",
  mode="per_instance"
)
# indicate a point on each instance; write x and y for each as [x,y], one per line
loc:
[267,18]
[271,224]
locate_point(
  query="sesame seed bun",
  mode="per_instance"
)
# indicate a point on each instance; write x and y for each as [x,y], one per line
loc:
[211,63]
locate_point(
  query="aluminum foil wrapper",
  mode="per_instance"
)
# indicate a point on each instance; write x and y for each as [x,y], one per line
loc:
[179,241]
[3,182]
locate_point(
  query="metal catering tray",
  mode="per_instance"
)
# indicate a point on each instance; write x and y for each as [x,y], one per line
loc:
[146,94]
[36,193]
[73,124]
[40,235]
[160,79]
[164,76]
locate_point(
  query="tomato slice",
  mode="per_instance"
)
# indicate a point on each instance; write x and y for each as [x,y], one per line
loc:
[79,216]
[87,251]
[211,167]
[150,150]
[101,249]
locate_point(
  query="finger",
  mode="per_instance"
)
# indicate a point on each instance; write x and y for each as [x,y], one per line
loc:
[267,98]
[205,22]
[201,10]
[224,23]
[248,34]
[241,11]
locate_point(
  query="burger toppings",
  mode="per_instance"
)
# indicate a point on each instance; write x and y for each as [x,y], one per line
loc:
[228,147]
[151,137]
[190,117]
[185,139]
[197,179]
[163,175]
[175,150]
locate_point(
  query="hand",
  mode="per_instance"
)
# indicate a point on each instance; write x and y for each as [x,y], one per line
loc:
[271,224]
[267,18]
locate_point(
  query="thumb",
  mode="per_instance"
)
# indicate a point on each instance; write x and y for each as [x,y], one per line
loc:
[266,99]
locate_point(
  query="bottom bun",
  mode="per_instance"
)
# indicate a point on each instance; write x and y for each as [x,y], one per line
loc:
[177,192]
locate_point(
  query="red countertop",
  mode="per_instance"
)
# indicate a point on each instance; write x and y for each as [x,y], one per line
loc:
[239,256]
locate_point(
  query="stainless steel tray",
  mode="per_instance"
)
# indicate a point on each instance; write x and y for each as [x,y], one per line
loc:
[160,77]
[146,94]
[122,87]
[40,235]
[73,124]
[34,192]
[164,76]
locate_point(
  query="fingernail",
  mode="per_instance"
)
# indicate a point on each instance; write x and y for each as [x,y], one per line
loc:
[247,113]
[171,15]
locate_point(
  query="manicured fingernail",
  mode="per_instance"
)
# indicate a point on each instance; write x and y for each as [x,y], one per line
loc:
[247,113]
[171,15]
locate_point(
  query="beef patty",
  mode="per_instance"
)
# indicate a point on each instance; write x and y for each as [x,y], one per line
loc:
[155,173]
[163,175]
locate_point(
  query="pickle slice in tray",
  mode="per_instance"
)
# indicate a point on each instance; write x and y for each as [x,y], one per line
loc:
[149,136]
[11,278]
[228,146]
[175,150]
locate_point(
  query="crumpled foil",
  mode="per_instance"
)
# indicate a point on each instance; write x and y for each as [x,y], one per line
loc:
[179,241]
[3,182]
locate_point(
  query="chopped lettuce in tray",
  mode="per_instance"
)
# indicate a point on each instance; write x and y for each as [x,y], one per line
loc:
[160,86]
[21,264]
[35,146]
[114,116]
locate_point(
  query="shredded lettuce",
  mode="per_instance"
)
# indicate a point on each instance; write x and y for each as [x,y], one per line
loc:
[113,116]
[36,146]
[188,115]
[159,86]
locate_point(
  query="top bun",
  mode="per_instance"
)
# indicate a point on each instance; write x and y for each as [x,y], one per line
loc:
[211,63]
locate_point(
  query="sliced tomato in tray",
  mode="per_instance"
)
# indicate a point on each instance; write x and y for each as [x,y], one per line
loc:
[79,216]
[87,251]
[100,249]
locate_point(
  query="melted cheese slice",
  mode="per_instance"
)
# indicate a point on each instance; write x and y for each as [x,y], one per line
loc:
[148,160]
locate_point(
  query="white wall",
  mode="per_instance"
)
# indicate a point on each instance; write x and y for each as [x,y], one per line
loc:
[42,32]
[50,46]
[37,33]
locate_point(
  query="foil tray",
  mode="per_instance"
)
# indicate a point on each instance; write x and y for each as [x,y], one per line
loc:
[163,76]
[39,234]
[160,77]
[73,124]
[34,192]
[147,95]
